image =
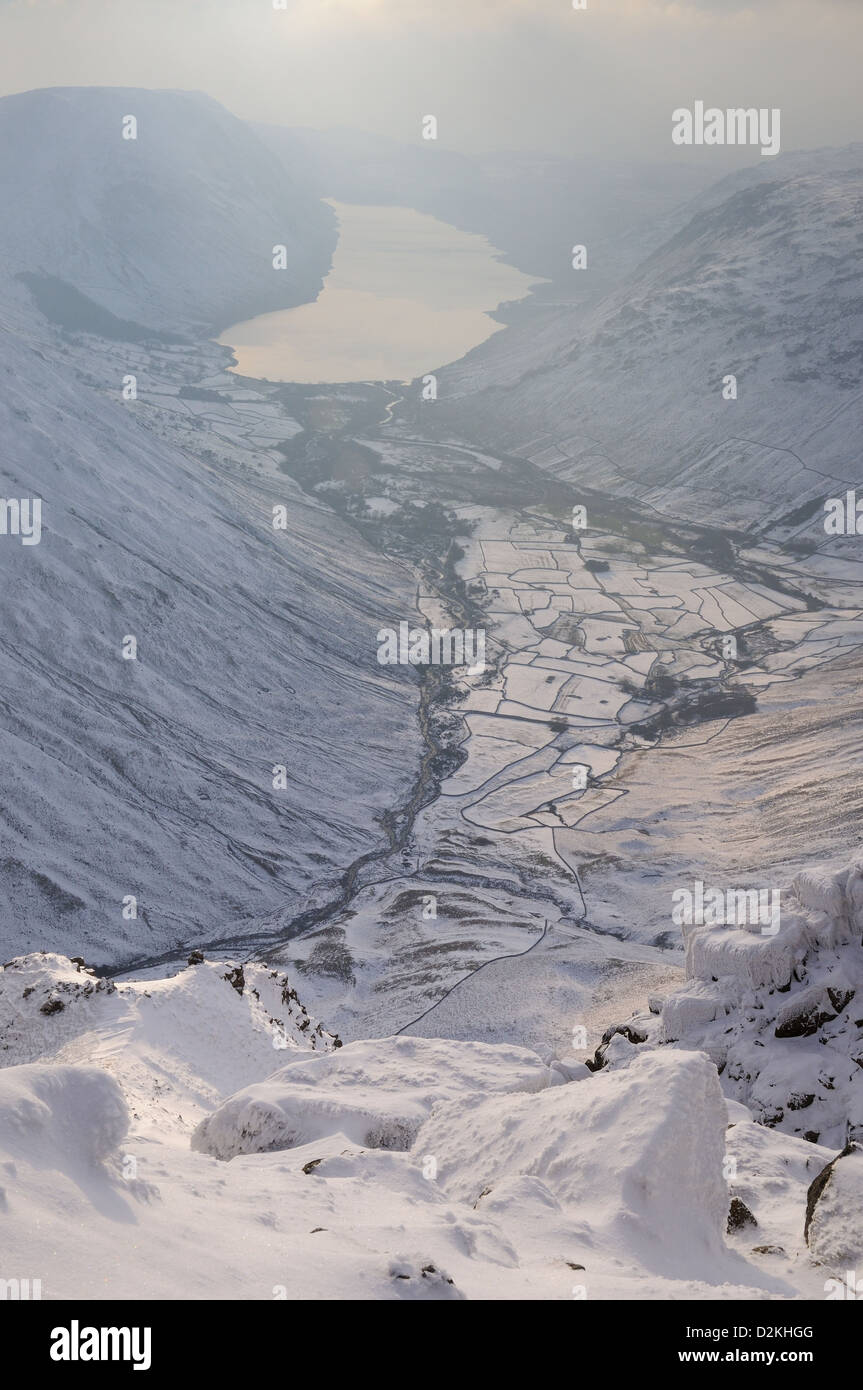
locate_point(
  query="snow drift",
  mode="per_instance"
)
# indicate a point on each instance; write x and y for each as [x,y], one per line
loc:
[375,1093]
[60,1117]
[642,1153]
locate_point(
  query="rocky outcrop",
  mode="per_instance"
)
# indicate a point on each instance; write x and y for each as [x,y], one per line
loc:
[781,1015]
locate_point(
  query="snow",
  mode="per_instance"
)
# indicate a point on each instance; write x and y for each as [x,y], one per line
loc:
[625,396]
[201,1134]
[175,1044]
[643,1156]
[70,1118]
[174,229]
[510,1181]
[153,778]
[375,1093]
[771,1173]
[835,1230]
[780,1015]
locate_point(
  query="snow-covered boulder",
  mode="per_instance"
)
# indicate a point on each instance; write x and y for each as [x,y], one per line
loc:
[638,1152]
[834,1211]
[375,1093]
[60,1117]
[695,1003]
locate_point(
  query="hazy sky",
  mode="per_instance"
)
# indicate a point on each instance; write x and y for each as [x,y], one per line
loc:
[498,74]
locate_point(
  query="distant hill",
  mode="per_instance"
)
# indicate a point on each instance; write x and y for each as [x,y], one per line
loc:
[173,229]
[760,279]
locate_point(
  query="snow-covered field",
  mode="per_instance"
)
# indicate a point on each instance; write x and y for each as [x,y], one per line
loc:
[544,888]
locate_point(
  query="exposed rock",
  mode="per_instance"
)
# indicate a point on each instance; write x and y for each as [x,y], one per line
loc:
[800,1102]
[804,1015]
[840,998]
[739,1216]
[236,979]
[630,1031]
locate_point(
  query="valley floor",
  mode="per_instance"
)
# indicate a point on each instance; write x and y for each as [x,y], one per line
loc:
[515,896]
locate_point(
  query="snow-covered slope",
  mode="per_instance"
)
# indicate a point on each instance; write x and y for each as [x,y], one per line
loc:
[511,1183]
[763,283]
[173,229]
[174,1044]
[153,778]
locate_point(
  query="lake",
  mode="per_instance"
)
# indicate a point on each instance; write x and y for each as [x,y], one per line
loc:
[406,294]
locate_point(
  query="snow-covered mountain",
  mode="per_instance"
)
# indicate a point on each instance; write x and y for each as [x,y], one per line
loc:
[403,1168]
[153,778]
[199,746]
[760,282]
[173,229]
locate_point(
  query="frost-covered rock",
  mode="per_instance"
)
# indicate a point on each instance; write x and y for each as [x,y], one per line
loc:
[641,1150]
[834,1211]
[376,1093]
[781,1016]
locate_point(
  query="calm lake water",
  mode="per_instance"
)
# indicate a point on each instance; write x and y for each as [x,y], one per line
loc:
[406,294]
